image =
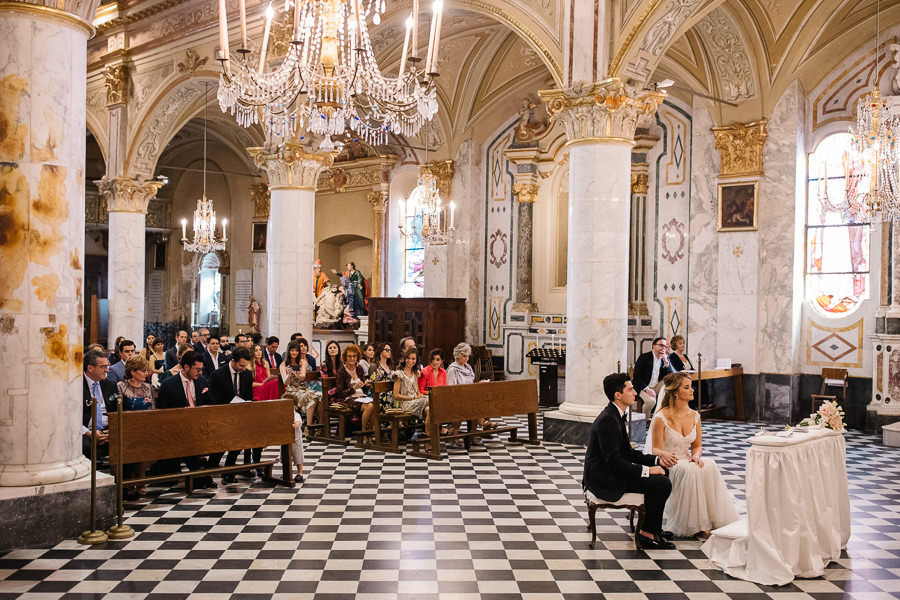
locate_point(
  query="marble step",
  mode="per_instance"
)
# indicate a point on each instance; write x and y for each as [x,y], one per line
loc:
[891,434]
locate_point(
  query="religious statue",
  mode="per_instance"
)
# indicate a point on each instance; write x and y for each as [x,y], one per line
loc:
[320,279]
[354,290]
[329,307]
[253,314]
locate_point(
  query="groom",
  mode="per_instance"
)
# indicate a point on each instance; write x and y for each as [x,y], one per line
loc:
[612,467]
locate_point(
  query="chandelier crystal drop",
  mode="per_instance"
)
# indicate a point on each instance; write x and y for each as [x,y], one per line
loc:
[875,149]
[328,81]
[204,215]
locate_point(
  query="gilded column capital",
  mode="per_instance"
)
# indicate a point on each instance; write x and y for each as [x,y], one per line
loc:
[525,192]
[116,84]
[378,200]
[741,146]
[259,193]
[126,194]
[604,111]
[639,182]
[443,171]
[290,166]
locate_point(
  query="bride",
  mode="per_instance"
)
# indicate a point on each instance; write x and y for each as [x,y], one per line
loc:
[699,500]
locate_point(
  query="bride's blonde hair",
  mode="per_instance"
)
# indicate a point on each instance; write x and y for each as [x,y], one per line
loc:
[671,383]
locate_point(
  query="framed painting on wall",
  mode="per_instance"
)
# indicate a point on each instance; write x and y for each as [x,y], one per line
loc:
[259,237]
[738,206]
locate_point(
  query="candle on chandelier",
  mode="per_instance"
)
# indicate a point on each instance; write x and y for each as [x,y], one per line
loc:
[243,11]
[409,24]
[223,31]
[296,20]
[434,15]
[270,14]
[184,230]
[224,234]
[415,29]
[437,35]
[400,212]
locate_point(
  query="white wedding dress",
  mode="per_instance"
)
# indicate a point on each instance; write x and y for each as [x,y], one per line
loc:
[699,499]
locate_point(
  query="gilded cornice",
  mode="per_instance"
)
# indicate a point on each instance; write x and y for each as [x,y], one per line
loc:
[290,166]
[362,174]
[741,146]
[443,171]
[132,17]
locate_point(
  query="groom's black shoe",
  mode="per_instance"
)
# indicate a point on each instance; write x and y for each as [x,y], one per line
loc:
[666,535]
[656,543]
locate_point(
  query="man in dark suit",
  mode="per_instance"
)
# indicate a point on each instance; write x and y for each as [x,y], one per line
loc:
[202,341]
[116,372]
[96,363]
[172,353]
[270,353]
[187,389]
[230,380]
[212,357]
[649,370]
[612,467]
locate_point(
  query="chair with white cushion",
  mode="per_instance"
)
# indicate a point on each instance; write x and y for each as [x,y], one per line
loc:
[633,502]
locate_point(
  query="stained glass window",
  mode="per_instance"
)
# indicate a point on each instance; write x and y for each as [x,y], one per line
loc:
[413,254]
[837,234]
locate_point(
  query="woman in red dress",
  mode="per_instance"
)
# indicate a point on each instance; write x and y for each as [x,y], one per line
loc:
[265,386]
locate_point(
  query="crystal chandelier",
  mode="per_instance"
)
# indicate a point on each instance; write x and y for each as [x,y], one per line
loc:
[204,215]
[425,201]
[875,149]
[328,80]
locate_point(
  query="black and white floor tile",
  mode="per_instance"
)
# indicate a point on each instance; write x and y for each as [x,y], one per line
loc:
[501,522]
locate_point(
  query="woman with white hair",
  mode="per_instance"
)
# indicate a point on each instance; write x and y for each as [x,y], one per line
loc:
[460,371]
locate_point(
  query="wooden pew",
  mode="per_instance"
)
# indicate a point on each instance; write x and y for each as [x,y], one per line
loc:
[150,435]
[396,420]
[331,418]
[455,403]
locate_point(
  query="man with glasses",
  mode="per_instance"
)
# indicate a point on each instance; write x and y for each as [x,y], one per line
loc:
[242,340]
[649,371]
[96,364]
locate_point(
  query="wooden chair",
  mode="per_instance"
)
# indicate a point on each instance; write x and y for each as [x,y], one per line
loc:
[394,420]
[337,418]
[483,364]
[831,378]
[631,501]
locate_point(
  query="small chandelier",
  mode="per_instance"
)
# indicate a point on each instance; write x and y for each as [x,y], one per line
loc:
[328,80]
[437,229]
[204,215]
[875,149]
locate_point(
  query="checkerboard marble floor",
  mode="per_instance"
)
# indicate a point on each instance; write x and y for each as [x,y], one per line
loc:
[498,523]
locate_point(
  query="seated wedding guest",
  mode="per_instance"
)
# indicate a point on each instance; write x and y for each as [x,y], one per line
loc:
[407,343]
[678,357]
[460,373]
[434,374]
[406,388]
[270,354]
[304,350]
[649,370]
[117,371]
[293,374]
[368,358]
[381,370]
[351,386]
[195,338]
[172,353]
[265,385]
[95,346]
[157,359]
[612,467]
[242,340]
[147,350]
[296,336]
[699,502]
[114,355]
[186,389]
[96,363]
[181,350]
[232,380]
[331,364]
[213,357]
[136,394]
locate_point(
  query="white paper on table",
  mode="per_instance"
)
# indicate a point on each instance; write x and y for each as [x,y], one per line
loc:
[363,400]
[236,400]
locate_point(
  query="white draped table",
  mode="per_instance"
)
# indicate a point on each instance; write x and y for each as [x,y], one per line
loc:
[798,510]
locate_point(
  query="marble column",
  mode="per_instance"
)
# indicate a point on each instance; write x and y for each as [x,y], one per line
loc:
[525,190]
[379,201]
[599,121]
[884,408]
[42,154]
[292,172]
[637,275]
[126,201]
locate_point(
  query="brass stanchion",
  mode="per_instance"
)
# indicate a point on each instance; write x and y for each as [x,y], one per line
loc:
[93,535]
[119,531]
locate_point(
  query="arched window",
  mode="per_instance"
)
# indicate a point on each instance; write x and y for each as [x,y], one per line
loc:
[837,234]
[413,253]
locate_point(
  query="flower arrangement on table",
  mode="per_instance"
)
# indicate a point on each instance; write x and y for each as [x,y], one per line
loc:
[830,416]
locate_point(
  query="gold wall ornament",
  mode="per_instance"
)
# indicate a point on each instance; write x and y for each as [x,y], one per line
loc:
[290,166]
[607,110]
[116,84]
[192,62]
[525,192]
[259,193]
[741,146]
[378,200]
[443,171]
[530,128]
[639,182]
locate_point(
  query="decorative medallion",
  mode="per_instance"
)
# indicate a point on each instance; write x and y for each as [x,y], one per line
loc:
[501,237]
[673,241]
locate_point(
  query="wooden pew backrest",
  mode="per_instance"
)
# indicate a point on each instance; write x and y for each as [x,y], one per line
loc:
[452,403]
[149,435]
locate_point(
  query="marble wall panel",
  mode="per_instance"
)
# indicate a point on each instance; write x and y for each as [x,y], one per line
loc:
[736,318]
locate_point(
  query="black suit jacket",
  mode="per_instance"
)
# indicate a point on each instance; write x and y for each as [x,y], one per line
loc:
[107,388]
[643,371]
[171,393]
[221,385]
[610,460]
[171,357]
[209,365]
[266,356]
